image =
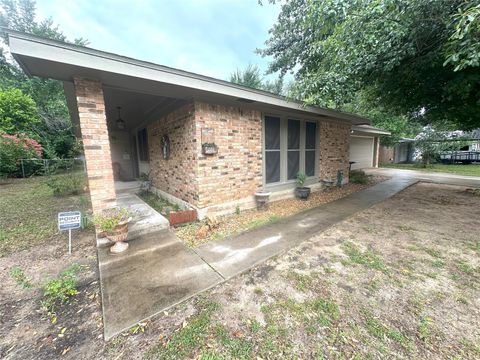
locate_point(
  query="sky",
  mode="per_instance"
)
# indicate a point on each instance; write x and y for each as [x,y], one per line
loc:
[208,37]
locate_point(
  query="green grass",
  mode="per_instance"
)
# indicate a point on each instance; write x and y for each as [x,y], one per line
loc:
[20,278]
[470,170]
[28,212]
[367,258]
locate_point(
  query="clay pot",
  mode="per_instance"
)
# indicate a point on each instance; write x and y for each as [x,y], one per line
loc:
[118,236]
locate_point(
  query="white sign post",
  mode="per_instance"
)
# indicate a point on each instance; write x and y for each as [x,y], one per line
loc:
[67,221]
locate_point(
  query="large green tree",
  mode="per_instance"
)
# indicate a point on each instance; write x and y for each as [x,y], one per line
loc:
[252,77]
[417,58]
[54,129]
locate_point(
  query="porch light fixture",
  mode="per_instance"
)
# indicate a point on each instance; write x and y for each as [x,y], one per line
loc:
[120,122]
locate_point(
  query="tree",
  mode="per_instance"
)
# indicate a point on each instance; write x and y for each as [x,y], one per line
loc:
[397,49]
[54,129]
[251,77]
[18,112]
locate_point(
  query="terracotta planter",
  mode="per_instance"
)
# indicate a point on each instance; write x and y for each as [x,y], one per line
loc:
[181,217]
[118,236]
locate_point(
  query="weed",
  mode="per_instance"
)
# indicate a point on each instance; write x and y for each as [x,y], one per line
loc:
[258,291]
[406,228]
[237,210]
[238,347]
[20,278]
[424,329]
[377,329]
[373,285]
[432,252]
[438,263]
[138,328]
[59,290]
[464,267]
[255,326]
[302,281]
[367,257]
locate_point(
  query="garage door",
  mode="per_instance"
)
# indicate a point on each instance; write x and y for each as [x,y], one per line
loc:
[361,151]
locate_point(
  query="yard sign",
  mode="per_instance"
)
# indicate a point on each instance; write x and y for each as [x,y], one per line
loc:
[69,220]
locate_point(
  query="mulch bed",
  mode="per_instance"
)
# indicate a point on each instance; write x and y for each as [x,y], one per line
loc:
[230,225]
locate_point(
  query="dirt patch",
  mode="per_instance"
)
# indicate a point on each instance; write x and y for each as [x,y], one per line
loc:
[399,280]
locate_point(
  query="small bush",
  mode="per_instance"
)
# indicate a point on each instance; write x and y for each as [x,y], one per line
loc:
[69,184]
[59,290]
[358,177]
[12,149]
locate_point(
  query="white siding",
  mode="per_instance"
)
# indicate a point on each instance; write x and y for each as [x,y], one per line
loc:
[361,151]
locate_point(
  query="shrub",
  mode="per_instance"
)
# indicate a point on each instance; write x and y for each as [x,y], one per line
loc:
[301,177]
[20,278]
[12,149]
[358,177]
[69,184]
[59,290]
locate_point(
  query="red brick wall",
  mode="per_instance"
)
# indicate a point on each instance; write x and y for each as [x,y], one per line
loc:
[93,126]
[334,149]
[176,175]
[236,171]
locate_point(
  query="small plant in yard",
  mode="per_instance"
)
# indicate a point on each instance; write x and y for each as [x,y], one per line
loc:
[237,210]
[61,289]
[358,177]
[69,184]
[20,278]
[302,191]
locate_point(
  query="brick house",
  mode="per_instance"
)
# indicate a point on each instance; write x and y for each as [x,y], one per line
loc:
[137,117]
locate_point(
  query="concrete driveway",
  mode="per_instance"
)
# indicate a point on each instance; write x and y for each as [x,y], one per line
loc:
[434,177]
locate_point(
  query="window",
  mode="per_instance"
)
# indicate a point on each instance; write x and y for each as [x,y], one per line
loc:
[310,145]
[293,150]
[290,147]
[272,149]
[142,145]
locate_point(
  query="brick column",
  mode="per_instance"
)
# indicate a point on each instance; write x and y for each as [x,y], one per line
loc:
[96,143]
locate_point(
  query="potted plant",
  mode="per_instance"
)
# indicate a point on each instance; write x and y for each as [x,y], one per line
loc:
[261,198]
[302,191]
[113,223]
[145,182]
[209,148]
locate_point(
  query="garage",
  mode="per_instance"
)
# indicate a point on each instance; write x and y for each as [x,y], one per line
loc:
[364,143]
[361,151]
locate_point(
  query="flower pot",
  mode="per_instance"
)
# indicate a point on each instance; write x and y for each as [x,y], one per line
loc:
[118,236]
[262,198]
[302,192]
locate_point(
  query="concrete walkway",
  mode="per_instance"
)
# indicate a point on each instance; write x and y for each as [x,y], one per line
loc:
[159,271]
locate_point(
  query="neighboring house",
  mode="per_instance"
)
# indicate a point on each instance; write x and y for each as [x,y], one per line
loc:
[205,142]
[402,152]
[365,146]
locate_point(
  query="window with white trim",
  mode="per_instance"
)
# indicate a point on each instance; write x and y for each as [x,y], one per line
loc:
[290,147]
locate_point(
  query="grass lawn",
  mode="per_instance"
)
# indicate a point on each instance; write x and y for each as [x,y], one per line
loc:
[28,212]
[470,170]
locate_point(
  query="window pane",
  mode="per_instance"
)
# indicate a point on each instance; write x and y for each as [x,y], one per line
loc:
[272,166]
[293,159]
[310,162]
[310,134]
[272,133]
[293,134]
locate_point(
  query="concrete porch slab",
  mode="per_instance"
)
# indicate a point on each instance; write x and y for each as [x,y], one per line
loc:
[157,272]
[146,219]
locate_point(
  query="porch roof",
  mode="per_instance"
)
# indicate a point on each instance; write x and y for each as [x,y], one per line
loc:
[62,61]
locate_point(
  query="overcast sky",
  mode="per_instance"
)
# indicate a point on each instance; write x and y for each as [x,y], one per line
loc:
[209,37]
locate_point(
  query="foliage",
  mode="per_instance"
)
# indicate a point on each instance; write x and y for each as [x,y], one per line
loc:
[12,149]
[59,290]
[144,176]
[358,177]
[160,204]
[68,184]
[252,77]
[463,46]
[20,278]
[109,219]
[398,55]
[301,177]
[18,112]
[54,127]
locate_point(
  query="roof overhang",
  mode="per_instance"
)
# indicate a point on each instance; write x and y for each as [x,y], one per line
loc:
[368,130]
[58,60]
